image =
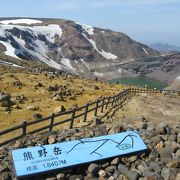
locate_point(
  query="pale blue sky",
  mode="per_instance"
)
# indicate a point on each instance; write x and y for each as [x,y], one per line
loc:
[147,21]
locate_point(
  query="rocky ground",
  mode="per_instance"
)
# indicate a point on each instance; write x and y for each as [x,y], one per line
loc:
[156,118]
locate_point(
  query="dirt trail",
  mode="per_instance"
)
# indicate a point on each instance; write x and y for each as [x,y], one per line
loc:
[154,109]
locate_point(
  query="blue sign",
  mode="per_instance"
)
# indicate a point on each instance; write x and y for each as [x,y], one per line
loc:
[28,161]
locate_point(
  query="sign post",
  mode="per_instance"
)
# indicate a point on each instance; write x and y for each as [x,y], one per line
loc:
[41,159]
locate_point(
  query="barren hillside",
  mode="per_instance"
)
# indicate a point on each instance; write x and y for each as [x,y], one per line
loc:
[154,109]
[29,94]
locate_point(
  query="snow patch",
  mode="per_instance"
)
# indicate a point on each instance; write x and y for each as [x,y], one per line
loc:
[20,21]
[90,31]
[10,64]
[78,61]
[40,53]
[10,50]
[106,55]
[49,31]
[87,28]
[2,34]
[120,70]
[82,60]
[85,63]
[67,63]
[178,78]
[145,51]
[162,54]
[98,74]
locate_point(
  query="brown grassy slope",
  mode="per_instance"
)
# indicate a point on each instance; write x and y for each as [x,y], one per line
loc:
[41,98]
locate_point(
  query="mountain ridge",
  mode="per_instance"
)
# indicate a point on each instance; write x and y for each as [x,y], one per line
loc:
[65,44]
[164,47]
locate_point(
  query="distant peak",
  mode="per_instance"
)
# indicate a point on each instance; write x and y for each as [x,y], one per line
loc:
[164,47]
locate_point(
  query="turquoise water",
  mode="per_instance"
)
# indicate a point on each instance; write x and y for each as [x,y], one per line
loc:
[141,82]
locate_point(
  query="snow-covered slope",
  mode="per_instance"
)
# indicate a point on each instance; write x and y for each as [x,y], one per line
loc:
[145,51]
[66,44]
[90,31]
[20,21]
[177,78]
[87,28]
[9,64]
[41,48]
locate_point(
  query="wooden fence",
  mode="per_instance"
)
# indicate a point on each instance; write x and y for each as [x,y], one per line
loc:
[154,91]
[97,106]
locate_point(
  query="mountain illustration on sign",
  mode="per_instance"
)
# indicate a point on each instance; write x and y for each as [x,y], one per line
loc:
[122,145]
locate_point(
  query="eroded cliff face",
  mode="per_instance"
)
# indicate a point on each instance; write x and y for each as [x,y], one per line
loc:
[68,45]
[163,68]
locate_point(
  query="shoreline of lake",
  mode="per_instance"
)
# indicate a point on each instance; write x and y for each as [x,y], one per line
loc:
[141,82]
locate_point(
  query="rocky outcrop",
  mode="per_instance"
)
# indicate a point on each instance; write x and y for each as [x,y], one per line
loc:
[163,68]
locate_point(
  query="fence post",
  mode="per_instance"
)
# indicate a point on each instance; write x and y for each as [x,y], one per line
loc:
[125,94]
[113,100]
[119,97]
[102,108]
[72,118]
[127,91]
[108,102]
[24,127]
[96,109]
[86,112]
[51,122]
[130,90]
